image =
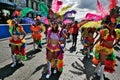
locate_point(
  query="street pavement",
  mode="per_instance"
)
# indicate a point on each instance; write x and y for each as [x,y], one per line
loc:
[77,66]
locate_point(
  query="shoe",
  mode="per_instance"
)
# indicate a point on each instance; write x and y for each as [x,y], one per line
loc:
[55,71]
[98,73]
[97,70]
[88,55]
[48,75]
[13,65]
[40,47]
[19,61]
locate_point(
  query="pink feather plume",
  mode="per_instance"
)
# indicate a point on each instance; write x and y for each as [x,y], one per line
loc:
[91,16]
[100,9]
[56,5]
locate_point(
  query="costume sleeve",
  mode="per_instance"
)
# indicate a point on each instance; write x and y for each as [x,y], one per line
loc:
[10,29]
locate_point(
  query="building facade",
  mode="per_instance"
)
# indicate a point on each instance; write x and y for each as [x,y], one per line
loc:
[8,6]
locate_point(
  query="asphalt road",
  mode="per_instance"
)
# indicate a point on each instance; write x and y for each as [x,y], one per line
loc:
[77,66]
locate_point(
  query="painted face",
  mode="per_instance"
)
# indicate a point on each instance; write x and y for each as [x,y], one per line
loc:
[54,25]
[13,23]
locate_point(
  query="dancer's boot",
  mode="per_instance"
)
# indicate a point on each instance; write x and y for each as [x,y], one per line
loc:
[102,72]
[49,70]
[14,60]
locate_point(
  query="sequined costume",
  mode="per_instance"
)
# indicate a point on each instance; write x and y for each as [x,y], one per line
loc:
[109,51]
[16,41]
[36,35]
[55,49]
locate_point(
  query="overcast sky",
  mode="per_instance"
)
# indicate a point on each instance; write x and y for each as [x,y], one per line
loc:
[84,6]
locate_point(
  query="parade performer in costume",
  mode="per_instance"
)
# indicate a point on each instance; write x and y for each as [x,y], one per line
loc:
[104,50]
[54,55]
[17,42]
[87,37]
[88,40]
[36,35]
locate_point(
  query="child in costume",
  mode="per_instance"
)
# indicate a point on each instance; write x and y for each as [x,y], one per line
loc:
[104,50]
[87,36]
[36,35]
[17,43]
[54,54]
[88,40]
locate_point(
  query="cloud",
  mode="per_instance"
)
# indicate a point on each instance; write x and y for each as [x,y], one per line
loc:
[81,13]
[84,6]
[89,4]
